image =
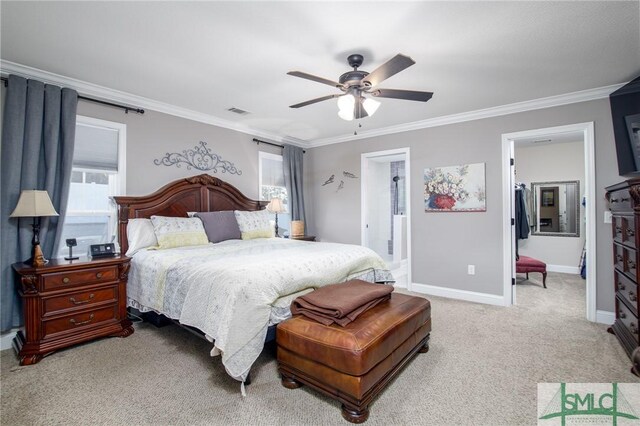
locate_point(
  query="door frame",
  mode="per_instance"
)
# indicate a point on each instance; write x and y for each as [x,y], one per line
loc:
[364,168]
[508,236]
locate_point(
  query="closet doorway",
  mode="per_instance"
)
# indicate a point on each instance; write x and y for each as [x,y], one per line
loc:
[385,210]
[560,212]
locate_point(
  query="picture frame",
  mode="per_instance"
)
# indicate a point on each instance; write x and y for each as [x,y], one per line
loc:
[547,198]
[460,188]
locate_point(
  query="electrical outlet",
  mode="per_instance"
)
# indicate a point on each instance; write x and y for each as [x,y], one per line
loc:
[607,216]
[471,269]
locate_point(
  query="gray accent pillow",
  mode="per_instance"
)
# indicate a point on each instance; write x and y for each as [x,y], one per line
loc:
[220,226]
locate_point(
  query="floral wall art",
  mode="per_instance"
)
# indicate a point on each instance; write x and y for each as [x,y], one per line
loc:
[455,188]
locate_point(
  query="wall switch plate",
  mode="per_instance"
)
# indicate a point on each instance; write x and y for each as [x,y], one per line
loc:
[471,269]
[607,216]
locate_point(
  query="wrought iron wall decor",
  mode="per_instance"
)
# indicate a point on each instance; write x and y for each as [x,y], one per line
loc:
[341,184]
[201,158]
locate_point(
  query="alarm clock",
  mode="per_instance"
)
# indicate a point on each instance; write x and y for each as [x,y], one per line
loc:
[102,250]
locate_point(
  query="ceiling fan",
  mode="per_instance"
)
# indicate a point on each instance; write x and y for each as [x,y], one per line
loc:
[356,84]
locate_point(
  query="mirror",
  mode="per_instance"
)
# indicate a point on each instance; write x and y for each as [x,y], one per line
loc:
[556,208]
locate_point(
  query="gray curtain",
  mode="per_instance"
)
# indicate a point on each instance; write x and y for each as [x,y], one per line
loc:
[292,158]
[38,133]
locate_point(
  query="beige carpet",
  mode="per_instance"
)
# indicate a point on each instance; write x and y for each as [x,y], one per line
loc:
[483,368]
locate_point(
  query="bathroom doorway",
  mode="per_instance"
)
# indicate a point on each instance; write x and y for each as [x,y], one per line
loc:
[386,219]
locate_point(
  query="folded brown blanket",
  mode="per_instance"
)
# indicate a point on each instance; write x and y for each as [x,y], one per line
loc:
[340,303]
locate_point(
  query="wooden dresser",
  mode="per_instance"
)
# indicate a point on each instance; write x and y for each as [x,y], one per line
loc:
[624,203]
[68,302]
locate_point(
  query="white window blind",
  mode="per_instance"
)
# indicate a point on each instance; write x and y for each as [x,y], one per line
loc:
[96,148]
[98,174]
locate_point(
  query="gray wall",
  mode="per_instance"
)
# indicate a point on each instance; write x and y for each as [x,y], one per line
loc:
[444,243]
[152,135]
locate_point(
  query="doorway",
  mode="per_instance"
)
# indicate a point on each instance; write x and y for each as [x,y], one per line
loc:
[585,133]
[385,210]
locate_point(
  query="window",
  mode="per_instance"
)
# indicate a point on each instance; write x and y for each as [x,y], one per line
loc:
[271,176]
[98,174]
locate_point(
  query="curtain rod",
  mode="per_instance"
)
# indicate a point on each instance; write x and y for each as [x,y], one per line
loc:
[258,141]
[126,108]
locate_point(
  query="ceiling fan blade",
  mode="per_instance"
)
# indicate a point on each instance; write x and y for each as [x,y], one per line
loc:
[315,78]
[409,95]
[391,67]
[313,101]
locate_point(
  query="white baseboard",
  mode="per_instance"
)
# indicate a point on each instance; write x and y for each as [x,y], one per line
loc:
[605,317]
[452,293]
[6,339]
[563,269]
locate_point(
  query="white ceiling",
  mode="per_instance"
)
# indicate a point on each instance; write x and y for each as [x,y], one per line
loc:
[209,56]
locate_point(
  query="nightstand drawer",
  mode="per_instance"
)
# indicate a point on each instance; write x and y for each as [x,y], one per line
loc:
[83,277]
[78,300]
[80,320]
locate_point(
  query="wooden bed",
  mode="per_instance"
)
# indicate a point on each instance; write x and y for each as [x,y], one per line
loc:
[205,193]
[202,193]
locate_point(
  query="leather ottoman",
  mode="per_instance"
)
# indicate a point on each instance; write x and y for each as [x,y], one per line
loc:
[353,364]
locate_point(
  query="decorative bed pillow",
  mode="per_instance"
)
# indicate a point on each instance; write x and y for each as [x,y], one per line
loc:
[220,226]
[178,231]
[254,224]
[140,235]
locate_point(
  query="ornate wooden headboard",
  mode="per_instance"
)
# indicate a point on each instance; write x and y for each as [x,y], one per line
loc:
[202,193]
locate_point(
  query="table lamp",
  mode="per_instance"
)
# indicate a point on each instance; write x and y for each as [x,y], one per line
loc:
[276,206]
[35,204]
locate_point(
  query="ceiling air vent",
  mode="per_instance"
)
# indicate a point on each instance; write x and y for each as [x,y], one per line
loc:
[238,111]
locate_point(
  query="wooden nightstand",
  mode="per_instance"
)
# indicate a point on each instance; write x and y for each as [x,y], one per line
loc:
[68,302]
[305,238]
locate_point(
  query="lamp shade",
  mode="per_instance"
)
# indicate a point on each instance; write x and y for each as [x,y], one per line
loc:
[34,203]
[276,206]
[370,105]
[346,104]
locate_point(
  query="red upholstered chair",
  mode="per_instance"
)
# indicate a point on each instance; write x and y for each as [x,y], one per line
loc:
[527,264]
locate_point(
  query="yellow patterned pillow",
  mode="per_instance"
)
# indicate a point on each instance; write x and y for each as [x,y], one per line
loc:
[254,224]
[178,231]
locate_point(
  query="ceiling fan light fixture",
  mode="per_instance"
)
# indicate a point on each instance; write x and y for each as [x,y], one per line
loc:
[346,104]
[370,105]
[346,114]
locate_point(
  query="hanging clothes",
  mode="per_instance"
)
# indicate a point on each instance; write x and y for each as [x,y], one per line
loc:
[521,222]
[526,192]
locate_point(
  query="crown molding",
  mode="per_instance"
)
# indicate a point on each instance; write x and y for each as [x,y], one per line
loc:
[112,95]
[101,92]
[548,102]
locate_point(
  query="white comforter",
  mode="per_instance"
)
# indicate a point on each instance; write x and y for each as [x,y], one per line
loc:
[226,290]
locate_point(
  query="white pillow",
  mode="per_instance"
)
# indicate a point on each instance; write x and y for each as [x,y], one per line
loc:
[179,231]
[254,224]
[140,235]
